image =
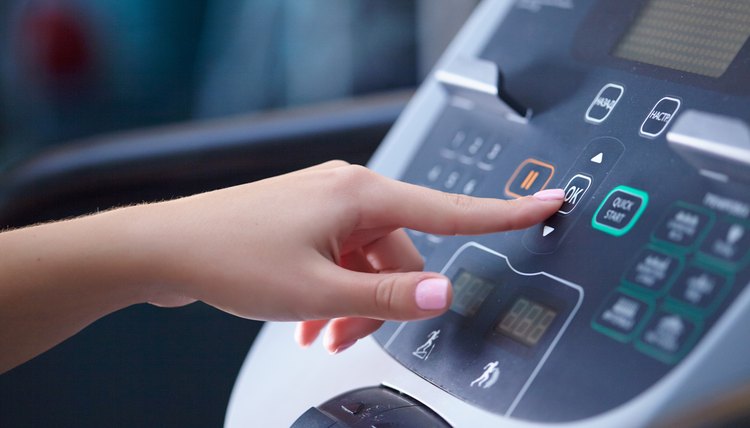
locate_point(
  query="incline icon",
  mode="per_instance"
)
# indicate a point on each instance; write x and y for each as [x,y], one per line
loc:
[598,158]
[547,230]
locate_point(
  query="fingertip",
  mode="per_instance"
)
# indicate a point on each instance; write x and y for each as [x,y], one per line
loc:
[433,294]
[343,347]
[342,333]
[299,336]
[307,331]
[550,195]
[332,345]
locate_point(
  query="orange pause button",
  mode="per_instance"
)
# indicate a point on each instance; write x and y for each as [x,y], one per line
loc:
[530,177]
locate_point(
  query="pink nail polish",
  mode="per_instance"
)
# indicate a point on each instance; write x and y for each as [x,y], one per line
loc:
[343,347]
[550,195]
[432,294]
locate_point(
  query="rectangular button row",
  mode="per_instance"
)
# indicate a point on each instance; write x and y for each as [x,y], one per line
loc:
[465,158]
[655,122]
[473,148]
[695,287]
[453,178]
[687,228]
[666,334]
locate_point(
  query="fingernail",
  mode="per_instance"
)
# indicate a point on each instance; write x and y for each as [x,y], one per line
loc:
[550,195]
[344,347]
[432,294]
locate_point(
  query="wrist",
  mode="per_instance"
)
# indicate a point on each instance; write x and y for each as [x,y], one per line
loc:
[131,255]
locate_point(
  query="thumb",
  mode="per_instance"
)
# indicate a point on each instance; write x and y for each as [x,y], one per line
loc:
[391,296]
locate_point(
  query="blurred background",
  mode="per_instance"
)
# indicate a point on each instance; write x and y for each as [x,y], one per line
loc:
[75,68]
[106,102]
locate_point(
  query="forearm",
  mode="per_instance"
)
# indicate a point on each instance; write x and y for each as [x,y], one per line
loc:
[316,244]
[55,279]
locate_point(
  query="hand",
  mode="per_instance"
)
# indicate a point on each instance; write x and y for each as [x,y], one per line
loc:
[323,245]
[315,245]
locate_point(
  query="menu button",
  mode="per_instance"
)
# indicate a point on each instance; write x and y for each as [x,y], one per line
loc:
[659,117]
[604,102]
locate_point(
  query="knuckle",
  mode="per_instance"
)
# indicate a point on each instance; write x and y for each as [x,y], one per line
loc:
[459,201]
[351,175]
[357,174]
[339,179]
[336,163]
[385,300]
[461,204]
[354,180]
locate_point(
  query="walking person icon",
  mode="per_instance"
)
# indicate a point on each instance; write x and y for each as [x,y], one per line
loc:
[489,377]
[424,350]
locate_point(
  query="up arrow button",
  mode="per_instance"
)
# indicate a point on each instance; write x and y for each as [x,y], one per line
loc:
[547,230]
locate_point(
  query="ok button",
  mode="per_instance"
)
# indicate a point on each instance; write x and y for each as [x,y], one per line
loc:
[574,191]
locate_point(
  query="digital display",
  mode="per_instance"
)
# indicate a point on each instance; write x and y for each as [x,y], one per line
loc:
[469,291]
[696,36]
[526,321]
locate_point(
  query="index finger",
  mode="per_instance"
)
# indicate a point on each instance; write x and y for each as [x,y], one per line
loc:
[389,202]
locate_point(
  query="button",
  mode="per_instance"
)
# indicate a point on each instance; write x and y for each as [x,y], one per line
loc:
[728,244]
[530,177]
[653,270]
[621,316]
[668,336]
[470,186]
[604,102]
[620,210]
[458,140]
[574,191]
[659,117]
[434,173]
[544,238]
[683,225]
[492,153]
[471,149]
[599,157]
[451,180]
[700,289]
[475,146]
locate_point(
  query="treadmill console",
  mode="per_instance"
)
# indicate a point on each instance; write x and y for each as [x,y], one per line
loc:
[639,110]
[631,302]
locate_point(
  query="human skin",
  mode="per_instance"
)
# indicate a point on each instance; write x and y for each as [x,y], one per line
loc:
[324,245]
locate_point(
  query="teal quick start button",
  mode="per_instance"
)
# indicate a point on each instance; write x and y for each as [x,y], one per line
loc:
[620,210]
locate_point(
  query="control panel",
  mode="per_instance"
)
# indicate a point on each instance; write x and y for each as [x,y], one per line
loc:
[582,313]
[630,303]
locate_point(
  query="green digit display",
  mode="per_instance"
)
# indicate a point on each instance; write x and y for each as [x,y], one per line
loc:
[526,321]
[469,291]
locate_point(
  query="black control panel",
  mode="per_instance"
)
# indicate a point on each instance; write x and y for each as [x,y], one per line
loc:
[582,313]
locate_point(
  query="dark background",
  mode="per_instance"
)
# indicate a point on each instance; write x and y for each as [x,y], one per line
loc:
[82,78]
[107,102]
